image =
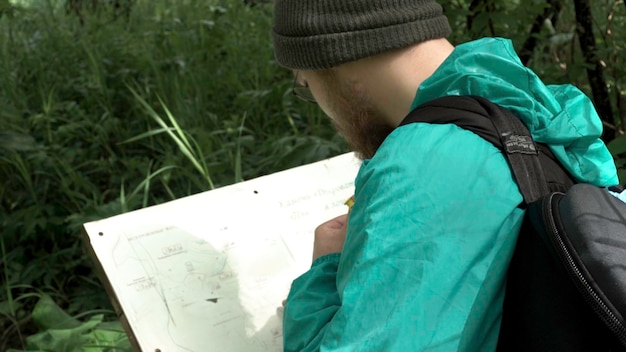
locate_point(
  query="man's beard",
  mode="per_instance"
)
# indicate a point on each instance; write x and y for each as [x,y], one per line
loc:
[363,127]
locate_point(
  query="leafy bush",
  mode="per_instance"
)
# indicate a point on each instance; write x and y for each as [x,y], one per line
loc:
[87,119]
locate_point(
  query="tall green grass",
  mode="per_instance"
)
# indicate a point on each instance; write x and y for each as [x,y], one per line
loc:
[122,113]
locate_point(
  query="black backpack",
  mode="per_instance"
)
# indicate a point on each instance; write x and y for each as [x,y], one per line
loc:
[566,284]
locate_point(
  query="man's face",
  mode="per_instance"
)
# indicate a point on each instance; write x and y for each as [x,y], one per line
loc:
[351,110]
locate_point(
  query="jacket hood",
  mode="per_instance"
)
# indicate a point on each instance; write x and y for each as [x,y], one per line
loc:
[560,116]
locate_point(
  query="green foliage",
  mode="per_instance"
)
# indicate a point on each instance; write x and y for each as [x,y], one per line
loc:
[115,114]
[63,333]
[618,149]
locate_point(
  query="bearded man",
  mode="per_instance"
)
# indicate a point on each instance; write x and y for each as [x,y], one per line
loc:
[420,263]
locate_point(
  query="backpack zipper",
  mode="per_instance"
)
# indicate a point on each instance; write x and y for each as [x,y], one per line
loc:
[590,295]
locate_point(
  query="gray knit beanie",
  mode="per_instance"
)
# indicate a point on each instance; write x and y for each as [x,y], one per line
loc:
[318,34]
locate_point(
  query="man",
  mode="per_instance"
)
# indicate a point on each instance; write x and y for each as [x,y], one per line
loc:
[422,266]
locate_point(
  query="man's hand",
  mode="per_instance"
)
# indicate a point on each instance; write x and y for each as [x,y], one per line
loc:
[330,236]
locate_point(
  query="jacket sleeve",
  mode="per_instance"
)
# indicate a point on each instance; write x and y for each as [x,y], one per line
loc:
[312,303]
[429,241]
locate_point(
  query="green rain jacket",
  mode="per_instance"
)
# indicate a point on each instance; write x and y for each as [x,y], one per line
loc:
[436,219]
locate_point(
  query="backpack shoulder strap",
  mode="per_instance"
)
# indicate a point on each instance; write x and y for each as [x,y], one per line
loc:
[496,125]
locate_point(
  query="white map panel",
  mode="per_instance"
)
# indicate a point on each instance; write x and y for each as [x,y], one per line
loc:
[209,272]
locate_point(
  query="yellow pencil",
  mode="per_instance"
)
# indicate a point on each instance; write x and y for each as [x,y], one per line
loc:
[350,203]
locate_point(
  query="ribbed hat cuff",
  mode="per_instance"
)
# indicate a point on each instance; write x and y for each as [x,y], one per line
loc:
[329,50]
